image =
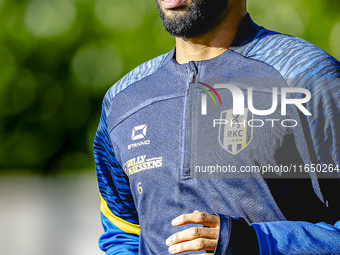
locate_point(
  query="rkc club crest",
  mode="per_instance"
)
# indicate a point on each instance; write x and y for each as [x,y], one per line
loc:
[235,134]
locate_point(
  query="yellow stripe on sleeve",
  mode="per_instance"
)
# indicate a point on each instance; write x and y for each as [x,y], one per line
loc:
[118,222]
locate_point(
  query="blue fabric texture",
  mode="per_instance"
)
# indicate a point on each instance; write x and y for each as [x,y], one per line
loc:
[115,242]
[148,144]
[295,58]
[288,237]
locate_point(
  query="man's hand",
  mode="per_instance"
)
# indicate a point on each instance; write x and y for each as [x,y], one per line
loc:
[196,238]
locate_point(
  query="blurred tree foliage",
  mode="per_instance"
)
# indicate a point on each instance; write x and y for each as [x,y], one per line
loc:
[58,58]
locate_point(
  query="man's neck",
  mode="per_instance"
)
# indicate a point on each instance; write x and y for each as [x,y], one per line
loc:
[214,42]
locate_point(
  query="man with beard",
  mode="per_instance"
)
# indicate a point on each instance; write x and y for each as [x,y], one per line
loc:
[148,144]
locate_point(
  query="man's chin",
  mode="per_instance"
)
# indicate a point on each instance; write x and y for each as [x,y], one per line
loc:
[189,18]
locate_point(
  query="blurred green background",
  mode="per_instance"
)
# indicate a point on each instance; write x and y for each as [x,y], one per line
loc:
[58,58]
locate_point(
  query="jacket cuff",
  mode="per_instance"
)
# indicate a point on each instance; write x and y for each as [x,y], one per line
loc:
[224,235]
[262,235]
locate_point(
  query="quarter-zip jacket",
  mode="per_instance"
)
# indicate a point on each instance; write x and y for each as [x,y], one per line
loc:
[159,154]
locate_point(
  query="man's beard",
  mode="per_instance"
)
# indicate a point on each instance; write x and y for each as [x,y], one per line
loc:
[198,18]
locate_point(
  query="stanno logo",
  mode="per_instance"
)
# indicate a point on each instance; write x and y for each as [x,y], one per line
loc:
[139,132]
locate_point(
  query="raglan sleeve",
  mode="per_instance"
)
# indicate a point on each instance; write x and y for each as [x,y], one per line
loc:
[118,213]
[323,135]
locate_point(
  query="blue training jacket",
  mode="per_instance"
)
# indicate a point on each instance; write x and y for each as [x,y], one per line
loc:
[168,144]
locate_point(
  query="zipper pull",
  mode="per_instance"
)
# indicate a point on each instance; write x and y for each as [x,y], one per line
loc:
[193,71]
[192,76]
